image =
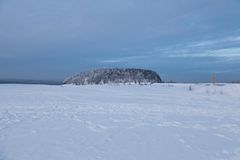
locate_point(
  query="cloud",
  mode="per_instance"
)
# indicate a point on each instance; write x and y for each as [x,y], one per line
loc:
[210,48]
[216,42]
[226,47]
[219,53]
[123,59]
[77,34]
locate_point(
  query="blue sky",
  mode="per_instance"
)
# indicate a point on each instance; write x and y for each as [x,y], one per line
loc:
[183,40]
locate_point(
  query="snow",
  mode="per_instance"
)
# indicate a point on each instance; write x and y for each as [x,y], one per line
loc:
[120,122]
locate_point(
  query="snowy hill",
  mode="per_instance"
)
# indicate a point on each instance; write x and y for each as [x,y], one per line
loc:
[115,75]
[121,122]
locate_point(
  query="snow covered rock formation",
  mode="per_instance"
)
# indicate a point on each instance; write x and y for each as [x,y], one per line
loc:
[115,76]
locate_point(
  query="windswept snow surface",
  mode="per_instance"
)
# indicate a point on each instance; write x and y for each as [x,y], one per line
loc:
[163,121]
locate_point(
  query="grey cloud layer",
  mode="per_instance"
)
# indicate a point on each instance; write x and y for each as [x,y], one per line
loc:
[114,32]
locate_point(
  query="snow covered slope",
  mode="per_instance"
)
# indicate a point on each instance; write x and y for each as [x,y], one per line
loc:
[115,76]
[163,121]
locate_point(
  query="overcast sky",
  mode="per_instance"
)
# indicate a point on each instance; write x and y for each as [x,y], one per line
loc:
[183,40]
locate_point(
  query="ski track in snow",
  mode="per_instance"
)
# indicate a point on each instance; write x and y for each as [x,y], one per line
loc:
[164,121]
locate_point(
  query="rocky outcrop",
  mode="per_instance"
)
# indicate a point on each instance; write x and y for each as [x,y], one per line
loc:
[115,76]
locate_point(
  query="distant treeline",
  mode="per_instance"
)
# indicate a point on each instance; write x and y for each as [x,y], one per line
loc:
[23,81]
[235,82]
[51,82]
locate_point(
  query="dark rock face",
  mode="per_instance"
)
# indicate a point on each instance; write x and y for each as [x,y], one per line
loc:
[115,76]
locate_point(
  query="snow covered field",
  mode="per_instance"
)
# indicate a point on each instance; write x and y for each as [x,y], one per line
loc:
[165,121]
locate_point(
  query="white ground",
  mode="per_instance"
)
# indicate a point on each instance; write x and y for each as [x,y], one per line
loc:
[167,121]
